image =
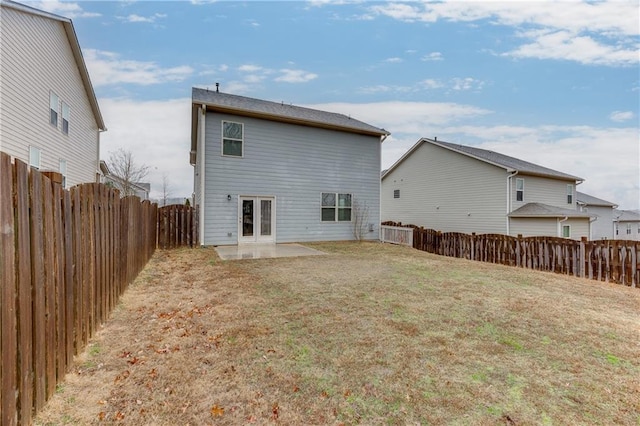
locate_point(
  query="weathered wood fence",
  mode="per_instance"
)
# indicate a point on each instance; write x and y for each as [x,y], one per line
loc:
[65,258]
[177,226]
[616,261]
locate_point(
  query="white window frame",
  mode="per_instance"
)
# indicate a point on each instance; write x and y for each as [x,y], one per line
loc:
[628,229]
[62,168]
[66,118]
[569,194]
[336,207]
[223,138]
[54,105]
[568,228]
[35,157]
[520,190]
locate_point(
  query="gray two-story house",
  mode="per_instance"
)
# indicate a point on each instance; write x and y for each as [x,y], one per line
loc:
[270,172]
[458,188]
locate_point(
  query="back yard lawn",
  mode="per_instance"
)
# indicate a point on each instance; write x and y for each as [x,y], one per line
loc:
[369,334]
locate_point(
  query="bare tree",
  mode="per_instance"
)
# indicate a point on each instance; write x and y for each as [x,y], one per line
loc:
[126,171]
[360,220]
[166,189]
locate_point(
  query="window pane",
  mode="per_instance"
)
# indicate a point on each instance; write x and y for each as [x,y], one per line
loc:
[344,215]
[265,217]
[34,157]
[53,109]
[344,200]
[520,184]
[566,231]
[328,199]
[328,215]
[519,196]
[232,148]
[232,130]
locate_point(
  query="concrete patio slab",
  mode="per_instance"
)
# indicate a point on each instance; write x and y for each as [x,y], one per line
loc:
[264,251]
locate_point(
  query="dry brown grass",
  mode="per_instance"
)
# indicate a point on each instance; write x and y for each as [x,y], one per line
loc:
[369,334]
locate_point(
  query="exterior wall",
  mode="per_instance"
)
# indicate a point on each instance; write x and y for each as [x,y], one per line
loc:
[622,226]
[543,190]
[535,227]
[294,164]
[36,59]
[602,228]
[443,190]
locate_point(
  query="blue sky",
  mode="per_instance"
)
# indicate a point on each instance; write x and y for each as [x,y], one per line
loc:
[557,84]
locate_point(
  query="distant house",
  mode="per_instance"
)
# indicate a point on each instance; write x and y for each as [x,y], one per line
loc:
[49,114]
[270,172]
[626,225]
[458,188]
[602,226]
[139,189]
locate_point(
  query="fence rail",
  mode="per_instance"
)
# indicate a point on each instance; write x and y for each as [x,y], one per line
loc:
[616,261]
[65,258]
[396,235]
[177,226]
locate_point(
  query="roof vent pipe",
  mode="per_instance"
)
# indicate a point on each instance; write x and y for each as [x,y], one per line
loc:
[435,138]
[217,87]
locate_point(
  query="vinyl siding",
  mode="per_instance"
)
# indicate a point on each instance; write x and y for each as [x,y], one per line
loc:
[36,59]
[550,227]
[443,190]
[294,164]
[543,190]
[602,228]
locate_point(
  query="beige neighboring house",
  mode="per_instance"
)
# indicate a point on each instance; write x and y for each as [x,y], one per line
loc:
[140,189]
[49,114]
[602,226]
[458,188]
[626,224]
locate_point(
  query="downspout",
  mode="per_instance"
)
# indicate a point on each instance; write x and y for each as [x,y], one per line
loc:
[202,115]
[591,227]
[509,200]
[560,225]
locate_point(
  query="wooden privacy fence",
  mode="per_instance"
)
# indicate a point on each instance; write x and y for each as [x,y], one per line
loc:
[615,261]
[177,226]
[65,258]
[396,235]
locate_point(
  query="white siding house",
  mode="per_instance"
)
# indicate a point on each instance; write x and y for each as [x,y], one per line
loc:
[49,115]
[602,225]
[272,172]
[458,188]
[626,225]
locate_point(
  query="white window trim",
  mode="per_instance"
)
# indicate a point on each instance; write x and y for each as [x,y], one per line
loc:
[62,168]
[336,208]
[56,110]
[233,139]
[569,194]
[520,190]
[33,150]
[562,230]
[67,119]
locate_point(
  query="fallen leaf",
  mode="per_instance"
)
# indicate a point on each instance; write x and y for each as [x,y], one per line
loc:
[275,411]
[217,411]
[101,415]
[119,415]
[296,389]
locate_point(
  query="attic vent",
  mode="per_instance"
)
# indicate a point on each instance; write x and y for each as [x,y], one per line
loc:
[396,193]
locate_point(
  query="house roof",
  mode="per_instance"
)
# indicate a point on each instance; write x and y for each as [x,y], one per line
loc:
[590,200]
[75,48]
[510,164]
[544,210]
[626,216]
[275,111]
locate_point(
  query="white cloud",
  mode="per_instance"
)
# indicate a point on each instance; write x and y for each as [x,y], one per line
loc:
[468,83]
[108,68]
[394,60]
[63,8]
[433,56]
[133,18]
[430,84]
[620,116]
[295,76]
[249,68]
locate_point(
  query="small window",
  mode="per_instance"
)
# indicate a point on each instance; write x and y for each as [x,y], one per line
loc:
[62,168]
[53,109]
[396,193]
[336,207]
[569,194]
[232,138]
[519,189]
[34,157]
[66,114]
[628,229]
[566,231]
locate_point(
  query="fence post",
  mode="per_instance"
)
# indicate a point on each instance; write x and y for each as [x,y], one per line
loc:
[582,260]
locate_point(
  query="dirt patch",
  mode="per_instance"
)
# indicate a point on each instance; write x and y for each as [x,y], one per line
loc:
[368,334]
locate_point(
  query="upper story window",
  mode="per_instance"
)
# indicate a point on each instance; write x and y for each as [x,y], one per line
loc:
[569,194]
[54,104]
[34,157]
[396,193]
[628,229]
[519,189]
[232,138]
[336,207]
[66,115]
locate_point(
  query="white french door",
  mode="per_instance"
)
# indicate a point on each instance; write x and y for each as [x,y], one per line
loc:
[256,220]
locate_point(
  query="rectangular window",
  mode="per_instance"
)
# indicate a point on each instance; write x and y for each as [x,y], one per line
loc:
[628,229]
[396,193]
[519,189]
[34,157]
[232,138]
[62,168]
[336,207]
[566,231]
[66,115]
[53,109]
[569,194]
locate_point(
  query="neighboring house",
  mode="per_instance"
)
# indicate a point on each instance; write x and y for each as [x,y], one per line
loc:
[139,189]
[602,227]
[49,115]
[274,172]
[626,225]
[457,188]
